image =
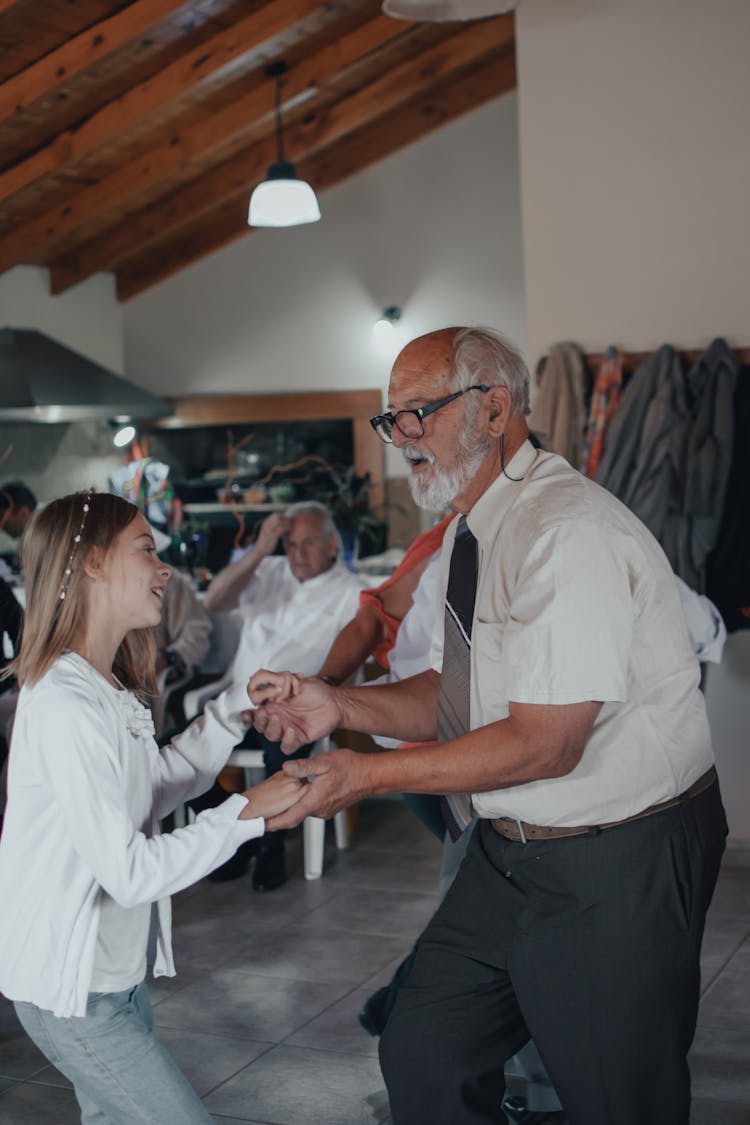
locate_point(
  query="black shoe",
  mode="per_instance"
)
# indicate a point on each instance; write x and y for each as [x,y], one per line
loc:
[515,1109]
[236,866]
[374,1015]
[270,867]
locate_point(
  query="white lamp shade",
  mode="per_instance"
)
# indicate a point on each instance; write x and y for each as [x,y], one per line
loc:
[437,11]
[282,200]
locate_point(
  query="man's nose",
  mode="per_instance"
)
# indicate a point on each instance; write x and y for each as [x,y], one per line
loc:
[398,438]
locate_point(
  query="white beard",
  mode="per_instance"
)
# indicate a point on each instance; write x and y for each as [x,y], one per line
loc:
[444,485]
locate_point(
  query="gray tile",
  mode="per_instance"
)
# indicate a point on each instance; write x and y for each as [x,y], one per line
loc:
[732,894]
[705,1111]
[19,1057]
[386,973]
[727,1002]
[337,1029]
[297,1086]
[50,1076]
[720,1064]
[208,1060]
[314,950]
[28,1104]
[740,962]
[238,1003]
[402,914]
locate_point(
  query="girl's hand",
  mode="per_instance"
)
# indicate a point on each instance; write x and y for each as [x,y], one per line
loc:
[271,687]
[273,796]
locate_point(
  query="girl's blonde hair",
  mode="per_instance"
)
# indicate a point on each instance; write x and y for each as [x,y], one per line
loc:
[48,549]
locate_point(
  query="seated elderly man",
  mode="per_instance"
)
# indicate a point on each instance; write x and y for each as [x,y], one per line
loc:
[293,606]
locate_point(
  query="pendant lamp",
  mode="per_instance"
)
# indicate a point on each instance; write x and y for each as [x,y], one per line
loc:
[282,199]
[437,11]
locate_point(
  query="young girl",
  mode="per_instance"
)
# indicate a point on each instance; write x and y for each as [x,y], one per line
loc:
[85,876]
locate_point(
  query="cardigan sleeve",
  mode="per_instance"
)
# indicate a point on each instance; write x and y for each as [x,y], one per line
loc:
[91,781]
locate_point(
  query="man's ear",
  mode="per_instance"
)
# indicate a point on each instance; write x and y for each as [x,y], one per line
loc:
[498,410]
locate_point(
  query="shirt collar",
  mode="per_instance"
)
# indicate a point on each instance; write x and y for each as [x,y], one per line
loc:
[495,503]
[319,579]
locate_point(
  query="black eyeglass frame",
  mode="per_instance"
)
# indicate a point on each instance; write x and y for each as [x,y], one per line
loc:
[420,413]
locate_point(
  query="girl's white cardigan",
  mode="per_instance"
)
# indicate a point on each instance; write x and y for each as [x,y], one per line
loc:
[87,786]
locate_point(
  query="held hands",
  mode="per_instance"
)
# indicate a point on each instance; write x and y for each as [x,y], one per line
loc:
[308,713]
[272,797]
[267,687]
[336,779]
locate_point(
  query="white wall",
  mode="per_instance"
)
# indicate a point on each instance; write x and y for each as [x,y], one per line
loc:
[53,460]
[434,229]
[635,170]
[87,318]
[635,180]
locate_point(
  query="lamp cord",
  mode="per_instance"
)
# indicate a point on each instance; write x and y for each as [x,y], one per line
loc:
[279,131]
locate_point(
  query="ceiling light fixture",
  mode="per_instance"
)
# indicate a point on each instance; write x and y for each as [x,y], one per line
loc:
[437,11]
[282,199]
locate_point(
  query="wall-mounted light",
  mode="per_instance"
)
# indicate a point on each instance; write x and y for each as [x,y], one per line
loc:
[386,338]
[282,199]
[124,430]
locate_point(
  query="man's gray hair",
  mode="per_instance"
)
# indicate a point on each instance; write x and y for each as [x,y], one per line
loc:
[314,508]
[481,355]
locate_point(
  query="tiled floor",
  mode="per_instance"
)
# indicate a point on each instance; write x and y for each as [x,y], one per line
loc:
[262,1016]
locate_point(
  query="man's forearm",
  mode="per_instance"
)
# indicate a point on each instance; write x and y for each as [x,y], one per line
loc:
[406,710]
[224,592]
[352,646]
[532,744]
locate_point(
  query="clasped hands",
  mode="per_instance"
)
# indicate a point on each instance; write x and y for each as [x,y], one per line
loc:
[295,711]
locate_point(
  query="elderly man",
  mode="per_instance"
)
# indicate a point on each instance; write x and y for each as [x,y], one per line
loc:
[292,608]
[564,695]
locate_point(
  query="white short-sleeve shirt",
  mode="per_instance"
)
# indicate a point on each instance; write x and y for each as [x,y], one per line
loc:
[576,601]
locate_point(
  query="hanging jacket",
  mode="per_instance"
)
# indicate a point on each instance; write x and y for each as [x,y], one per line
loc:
[728,566]
[710,386]
[643,455]
[558,414]
[604,400]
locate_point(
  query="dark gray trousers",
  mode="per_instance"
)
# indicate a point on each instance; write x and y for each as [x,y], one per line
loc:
[591,945]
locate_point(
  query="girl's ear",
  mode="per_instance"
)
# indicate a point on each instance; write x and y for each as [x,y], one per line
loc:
[93,566]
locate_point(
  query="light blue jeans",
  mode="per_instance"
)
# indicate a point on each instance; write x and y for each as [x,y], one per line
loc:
[120,1073]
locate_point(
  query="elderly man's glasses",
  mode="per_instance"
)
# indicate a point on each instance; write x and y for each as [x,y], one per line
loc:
[409,422]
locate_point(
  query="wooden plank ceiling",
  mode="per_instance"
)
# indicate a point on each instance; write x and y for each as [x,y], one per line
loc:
[131,134]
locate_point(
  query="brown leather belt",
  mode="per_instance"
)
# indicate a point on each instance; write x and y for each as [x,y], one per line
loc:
[511,829]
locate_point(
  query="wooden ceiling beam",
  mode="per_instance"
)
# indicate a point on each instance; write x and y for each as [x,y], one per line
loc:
[187,146]
[95,43]
[117,116]
[495,76]
[320,130]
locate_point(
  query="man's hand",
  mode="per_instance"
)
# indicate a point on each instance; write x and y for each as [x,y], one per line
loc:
[271,531]
[337,779]
[306,716]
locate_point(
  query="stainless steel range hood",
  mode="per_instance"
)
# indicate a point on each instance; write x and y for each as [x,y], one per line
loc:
[44,381]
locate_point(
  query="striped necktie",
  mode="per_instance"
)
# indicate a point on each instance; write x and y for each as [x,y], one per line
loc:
[453,714]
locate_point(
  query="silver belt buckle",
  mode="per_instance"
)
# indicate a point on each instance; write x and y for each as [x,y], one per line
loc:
[521,832]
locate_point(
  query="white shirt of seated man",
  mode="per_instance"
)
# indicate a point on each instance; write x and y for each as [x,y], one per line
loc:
[292,606]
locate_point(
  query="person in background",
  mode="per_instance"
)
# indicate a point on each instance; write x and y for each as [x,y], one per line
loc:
[183,638]
[292,607]
[565,700]
[85,875]
[18,503]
